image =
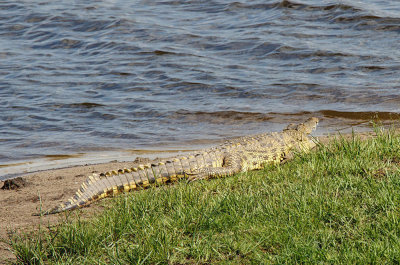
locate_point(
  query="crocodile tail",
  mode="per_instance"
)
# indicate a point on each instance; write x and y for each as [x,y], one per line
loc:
[114,182]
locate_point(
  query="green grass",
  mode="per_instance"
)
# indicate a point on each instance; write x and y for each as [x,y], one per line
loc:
[338,205]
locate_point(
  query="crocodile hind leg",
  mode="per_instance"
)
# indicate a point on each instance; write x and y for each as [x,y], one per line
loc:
[231,165]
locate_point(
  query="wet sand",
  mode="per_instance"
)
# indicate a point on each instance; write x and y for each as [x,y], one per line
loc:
[47,189]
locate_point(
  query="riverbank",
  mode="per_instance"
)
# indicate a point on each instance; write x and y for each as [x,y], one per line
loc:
[48,188]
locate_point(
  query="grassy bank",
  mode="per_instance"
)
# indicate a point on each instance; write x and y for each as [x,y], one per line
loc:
[339,204]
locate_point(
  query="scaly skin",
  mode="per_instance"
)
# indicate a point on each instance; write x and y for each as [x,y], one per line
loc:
[233,156]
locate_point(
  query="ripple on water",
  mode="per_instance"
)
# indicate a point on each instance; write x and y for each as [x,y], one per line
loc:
[110,75]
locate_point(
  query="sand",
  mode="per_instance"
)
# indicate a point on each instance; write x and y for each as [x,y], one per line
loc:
[47,189]
[44,189]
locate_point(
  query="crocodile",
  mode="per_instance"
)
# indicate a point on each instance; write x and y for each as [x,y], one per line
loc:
[233,156]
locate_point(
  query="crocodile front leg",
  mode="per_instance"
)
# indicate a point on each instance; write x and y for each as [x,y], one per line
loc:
[231,165]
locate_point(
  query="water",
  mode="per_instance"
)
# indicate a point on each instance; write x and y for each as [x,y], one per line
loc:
[98,76]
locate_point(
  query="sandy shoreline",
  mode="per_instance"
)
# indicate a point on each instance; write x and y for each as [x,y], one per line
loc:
[50,188]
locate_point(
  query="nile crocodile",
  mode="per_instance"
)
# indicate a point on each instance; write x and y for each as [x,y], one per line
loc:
[233,156]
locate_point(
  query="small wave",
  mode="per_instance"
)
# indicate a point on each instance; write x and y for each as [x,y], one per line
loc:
[115,135]
[87,105]
[60,44]
[286,52]
[161,52]
[285,4]
[333,114]
[225,117]
[70,20]
[363,115]
[84,105]
[42,118]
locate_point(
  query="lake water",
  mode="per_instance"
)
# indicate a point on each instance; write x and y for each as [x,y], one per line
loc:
[103,76]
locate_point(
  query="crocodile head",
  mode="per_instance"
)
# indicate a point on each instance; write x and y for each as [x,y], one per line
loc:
[298,134]
[308,126]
